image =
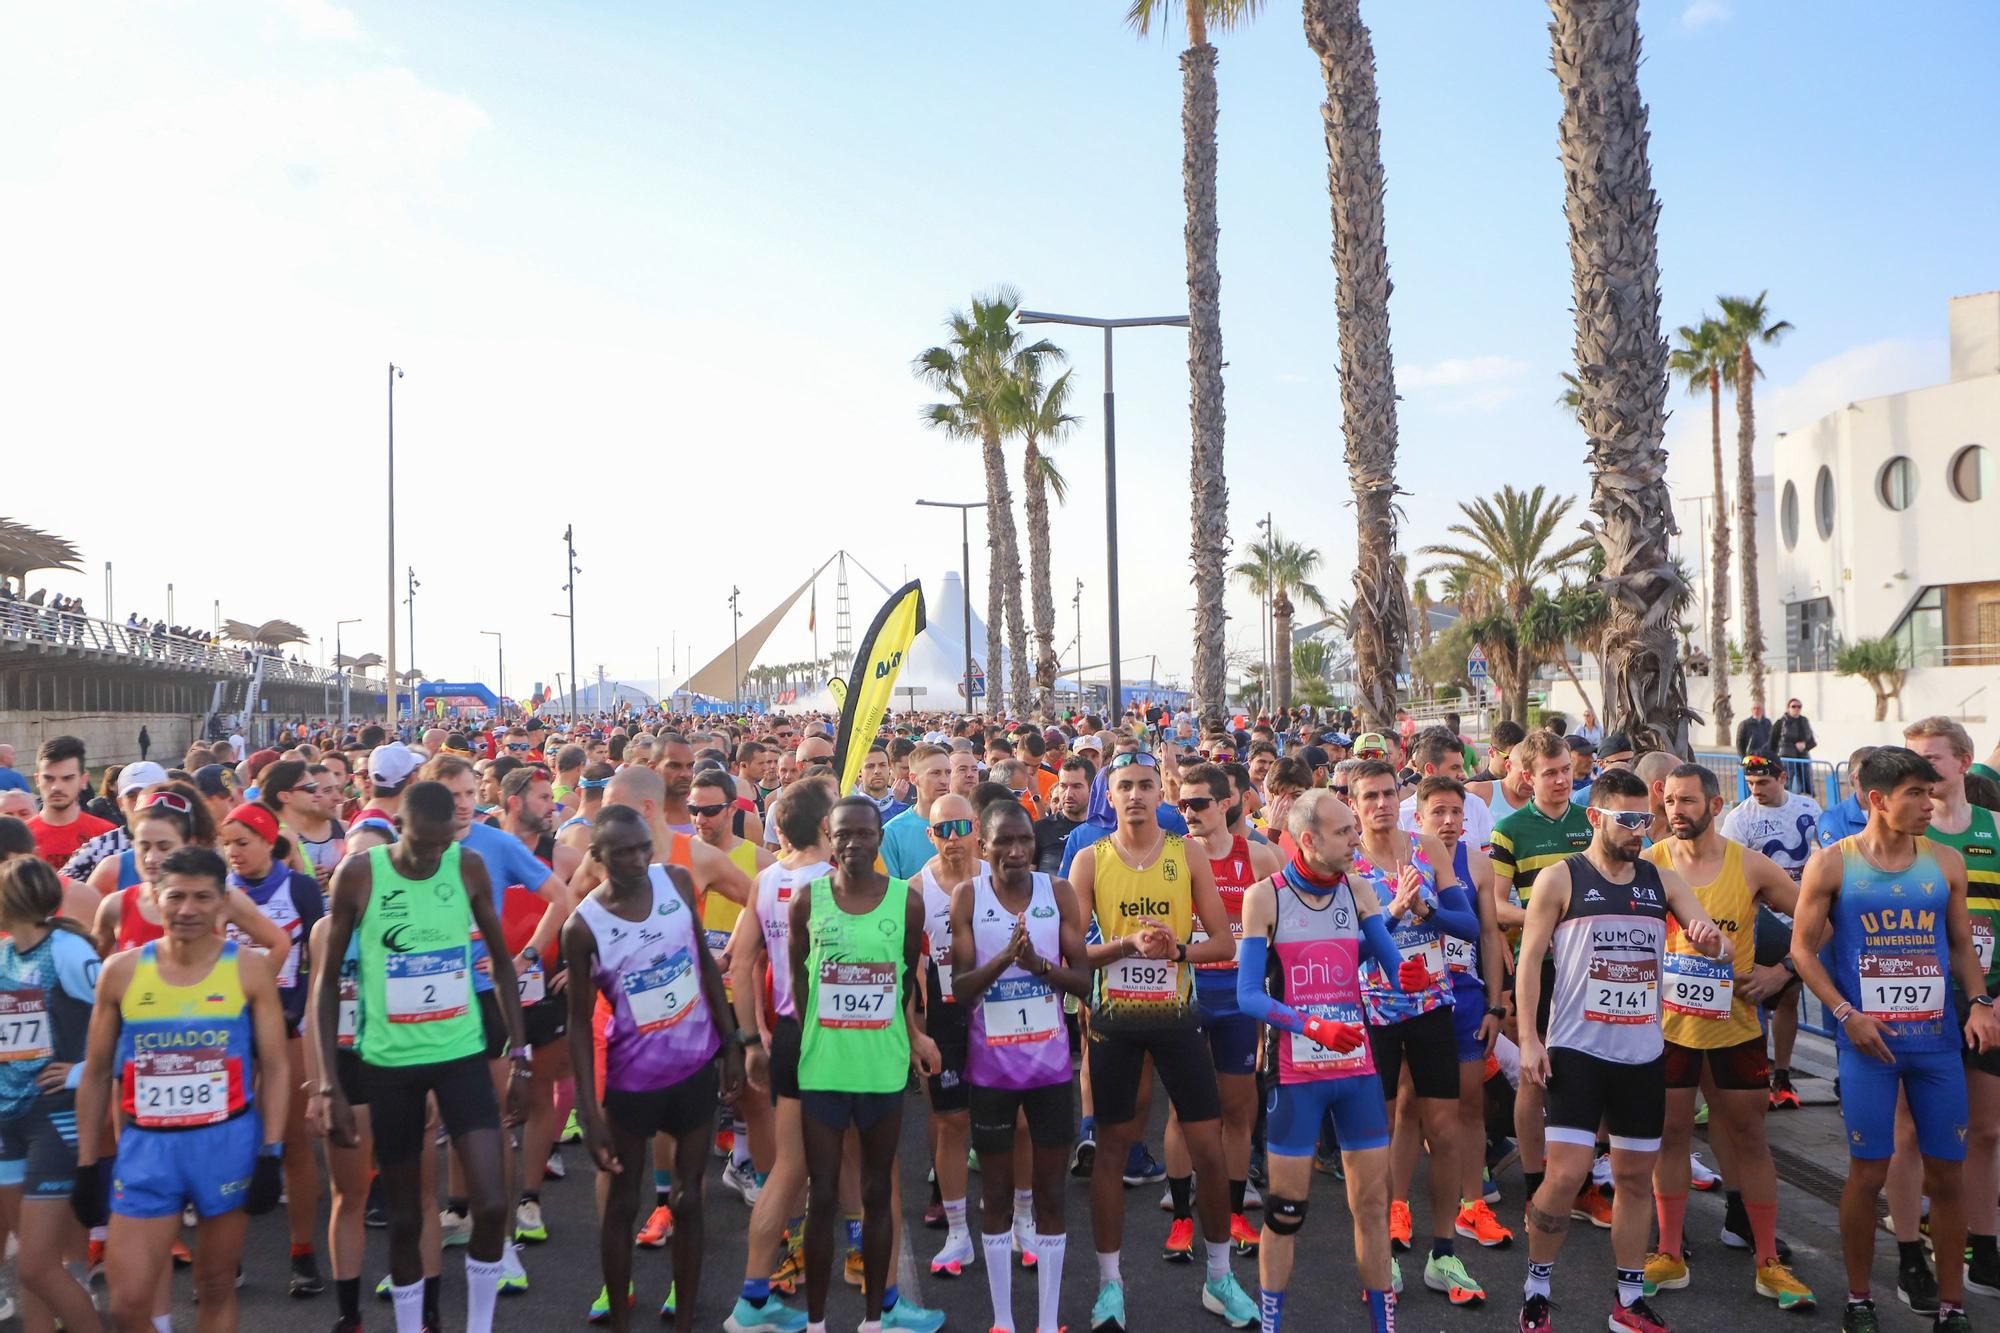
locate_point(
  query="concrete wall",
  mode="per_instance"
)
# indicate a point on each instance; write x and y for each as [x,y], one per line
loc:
[110,738]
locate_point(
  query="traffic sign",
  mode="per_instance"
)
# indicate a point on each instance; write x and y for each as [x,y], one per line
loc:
[1475,665]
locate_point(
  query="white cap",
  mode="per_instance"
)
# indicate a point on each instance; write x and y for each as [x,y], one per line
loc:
[142,774]
[1086,742]
[391,765]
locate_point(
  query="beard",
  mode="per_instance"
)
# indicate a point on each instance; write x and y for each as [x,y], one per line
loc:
[1693,829]
[1623,855]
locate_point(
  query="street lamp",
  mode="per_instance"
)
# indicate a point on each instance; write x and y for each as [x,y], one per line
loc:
[395,700]
[411,602]
[736,647]
[1267,633]
[500,688]
[1110,463]
[569,544]
[1077,602]
[965,508]
[340,664]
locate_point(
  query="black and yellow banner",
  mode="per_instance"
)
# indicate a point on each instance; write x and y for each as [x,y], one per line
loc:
[877,662]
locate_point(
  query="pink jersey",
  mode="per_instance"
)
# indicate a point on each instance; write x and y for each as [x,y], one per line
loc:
[1319,956]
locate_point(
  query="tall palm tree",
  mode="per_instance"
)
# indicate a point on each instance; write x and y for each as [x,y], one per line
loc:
[975,370]
[1277,569]
[1700,360]
[1745,324]
[1044,419]
[1367,370]
[1209,551]
[1507,551]
[1621,360]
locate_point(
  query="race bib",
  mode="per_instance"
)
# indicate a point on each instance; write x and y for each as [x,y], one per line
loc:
[1235,933]
[1143,981]
[1311,1057]
[181,1089]
[856,995]
[349,1022]
[1018,1010]
[1429,952]
[24,1026]
[426,987]
[1699,987]
[663,994]
[944,983]
[1982,941]
[532,985]
[1622,990]
[1461,955]
[1902,988]
[288,975]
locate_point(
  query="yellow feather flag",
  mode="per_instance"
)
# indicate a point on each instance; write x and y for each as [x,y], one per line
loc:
[877,662]
[837,687]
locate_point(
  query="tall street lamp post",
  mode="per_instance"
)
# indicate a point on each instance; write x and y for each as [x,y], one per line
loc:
[500,685]
[569,544]
[965,508]
[340,664]
[736,648]
[395,699]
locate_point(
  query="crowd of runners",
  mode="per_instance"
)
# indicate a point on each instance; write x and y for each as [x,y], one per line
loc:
[398,971]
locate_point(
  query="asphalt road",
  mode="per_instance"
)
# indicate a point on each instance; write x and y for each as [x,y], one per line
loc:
[565,1275]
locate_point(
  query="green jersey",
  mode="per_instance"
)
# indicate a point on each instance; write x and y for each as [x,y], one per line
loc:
[1528,842]
[1979,844]
[416,967]
[853,1038]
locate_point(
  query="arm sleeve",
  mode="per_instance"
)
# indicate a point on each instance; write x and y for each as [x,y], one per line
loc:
[1252,951]
[1375,934]
[77,966]
[1455,914]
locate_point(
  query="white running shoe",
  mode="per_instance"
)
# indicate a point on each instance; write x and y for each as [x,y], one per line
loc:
[1699,1175]
[743,1180]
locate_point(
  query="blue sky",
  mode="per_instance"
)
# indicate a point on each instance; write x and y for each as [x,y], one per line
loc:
[659,270]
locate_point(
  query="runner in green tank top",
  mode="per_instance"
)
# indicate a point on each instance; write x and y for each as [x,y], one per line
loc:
[416,967]
[856,986]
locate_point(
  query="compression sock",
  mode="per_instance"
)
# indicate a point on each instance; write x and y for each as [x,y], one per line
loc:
[1218,1259]
[1631,1286]
[1672,1209]
[1764,1230]
[1180,1189]
[663,1185]
[434,1301]
[1049,1251]
[954,1222]
[1381,1311]
[347,1290]
[1107,1268]
[1533,1180]
[1270,1310]
[409,1302]
[999,1248]
[758,1291]
[1236,1192]
[1441,1247]
[1539,1277]
[482,1288]
[1910,1254]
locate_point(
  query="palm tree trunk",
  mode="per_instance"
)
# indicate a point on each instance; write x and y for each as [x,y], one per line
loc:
[1367,369]
[1718,576]
[1209,553]
[1020,678]
[1000,562]
[1746,521]
[1281,649]
[1035,496]
[1621,361]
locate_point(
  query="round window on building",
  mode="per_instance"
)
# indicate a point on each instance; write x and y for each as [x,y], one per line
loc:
[1972,473]
[1788,516]
[1823,503]
[1896,484]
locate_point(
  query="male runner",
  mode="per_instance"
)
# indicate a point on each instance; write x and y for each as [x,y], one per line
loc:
[711,800]
[877,782]
[1145,892]
[1890,904]
[1778,823]
[1437,752]
[1603,914]
[1069,802]
[673,760]
[1711,1026]
[953,834]
[63,824]
[906,840]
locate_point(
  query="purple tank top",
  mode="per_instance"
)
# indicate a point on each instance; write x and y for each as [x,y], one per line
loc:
[1018,1038]
[649,971]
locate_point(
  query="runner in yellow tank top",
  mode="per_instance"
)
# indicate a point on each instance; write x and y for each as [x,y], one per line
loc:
[1708,1013]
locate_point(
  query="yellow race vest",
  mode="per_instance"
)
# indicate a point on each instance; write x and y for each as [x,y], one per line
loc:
[1701,1001]
[1142,992]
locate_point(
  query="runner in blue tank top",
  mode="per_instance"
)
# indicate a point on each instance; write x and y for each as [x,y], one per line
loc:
[1894,902]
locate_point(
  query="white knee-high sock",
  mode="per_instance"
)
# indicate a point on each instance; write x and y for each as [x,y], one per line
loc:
[1000,1276]
[409,1303]
[482,1288]
[1048,1278]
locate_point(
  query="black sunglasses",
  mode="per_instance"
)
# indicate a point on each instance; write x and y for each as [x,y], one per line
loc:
[707,811]
[1194,805]
[1143,758]
[952,828]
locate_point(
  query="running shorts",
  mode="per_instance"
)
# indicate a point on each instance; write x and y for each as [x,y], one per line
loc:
[1294,1112]
[1739,1068]
[1933,1082]
[159,1171]
[494,1023]
[1468,1011]
[1773,943]
[1180,1054]
[1986,1062]
[1051,1112]
[1629,1100]
[347,1072]
[1428,1043]
[396,1095]
[839,1110]
[546,1022]
[677,1110]
[947,1086]
[785,1039]
[38,1147]
[1232,1034]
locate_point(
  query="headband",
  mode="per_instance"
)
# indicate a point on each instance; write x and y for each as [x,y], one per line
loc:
[258,819]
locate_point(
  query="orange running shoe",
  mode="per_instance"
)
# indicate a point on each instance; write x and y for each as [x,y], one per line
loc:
[1399,1224]
[725,1142]
[1179,1248]
[790,1270]
[659,1228]
[1477,1222]
[1242,1235]
[1783,1098]
[1593,1205]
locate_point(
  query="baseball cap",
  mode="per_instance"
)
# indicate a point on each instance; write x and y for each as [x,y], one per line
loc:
[391,765]
[1314,757]
[1580,744]
[1616,743]
[142,774]
[1087,743]
[214,780]
[258,761]
[1340,740]
[1370,740]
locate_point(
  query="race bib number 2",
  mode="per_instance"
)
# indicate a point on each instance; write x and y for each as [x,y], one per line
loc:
[426,987]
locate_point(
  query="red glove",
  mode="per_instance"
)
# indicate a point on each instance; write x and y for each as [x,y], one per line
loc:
[1335,1035]
[1412,975]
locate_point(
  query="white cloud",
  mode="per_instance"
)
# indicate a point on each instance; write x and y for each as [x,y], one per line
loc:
[1458,372]
[321,20]
[1701,13]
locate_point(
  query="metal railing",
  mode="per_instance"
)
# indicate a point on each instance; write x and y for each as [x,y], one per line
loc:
[68,629]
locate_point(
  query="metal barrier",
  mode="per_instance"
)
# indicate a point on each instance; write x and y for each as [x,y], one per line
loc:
[66,629]
[1815,777]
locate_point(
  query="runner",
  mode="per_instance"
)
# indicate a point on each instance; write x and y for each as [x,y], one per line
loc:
[956,862]
[191,1031]
[1711,1027]
[414,907]
[1017,936]
[63,825]
[167,820]
[1439,752]
[1779,824]
[1317,921]
[1069,803]
[636,936]
[1145,892]
[906,843]
[1603,915]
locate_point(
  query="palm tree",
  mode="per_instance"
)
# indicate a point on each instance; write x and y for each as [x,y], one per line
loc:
[1277,569]
[1746,323]
[1700,361]
[1621,360]
[1210,486]
[1571,396]
[975,370]
[1506,553]
[1044,419]
[1367,370]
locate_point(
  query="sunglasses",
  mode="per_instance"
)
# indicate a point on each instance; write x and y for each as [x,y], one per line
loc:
[1759,767]
[519,746]
[952,828]
[307,787]
[1338,790]
[707,811]
[1194,805]
[1143,758]
[1631,820]
[167,800]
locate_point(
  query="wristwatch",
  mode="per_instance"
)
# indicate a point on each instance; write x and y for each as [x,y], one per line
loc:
[1789,966]
[1986,1000]
[1498,1011]
[749,1037]
[1180,953]
[532,954]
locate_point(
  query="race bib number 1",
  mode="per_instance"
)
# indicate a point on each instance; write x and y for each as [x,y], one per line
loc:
[1018,1010]
[1902,988]
[1622,990]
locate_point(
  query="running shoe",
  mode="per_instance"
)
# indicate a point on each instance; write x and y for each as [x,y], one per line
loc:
[1225,1296]
[513,1277]
[384,1289]
[934,1215]
[972,1160]
[773,1316]
[572,1132]
[1783,1096]
[1489,1188]
[1084,1156]
[1982,1274]
[659,1229]
[1952,1321]
[667,1305]
[1477,1222]
[791,1270]
[1636,1318]
[1395,1275]
[954,1258]
[1736,1233]
[1107,1314]
[1024,1240]
[1141,1168]
[183,1257]
[554,1168]
[306,1280]
[1701,1114]
[1776,1282]
[93,1261]
[528,1223]
[1699,1176]
[1535,1315]
[1446,1273]
[1327,1162]
[455,1227]
[1593,1205]
[1179,1248]
[1916,1287]
[1251,1198]
[600,1309]
[1501,1154]
[906,1314]
[1242,1235]
[1665,1272]
[1860,1317]
[377,1216]
[851,1270]
[1167,1198]
[743,1179]
[340,1325]
[1399,1225]
[725,1142]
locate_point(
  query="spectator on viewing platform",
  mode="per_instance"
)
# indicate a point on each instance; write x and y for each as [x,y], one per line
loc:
[10,778]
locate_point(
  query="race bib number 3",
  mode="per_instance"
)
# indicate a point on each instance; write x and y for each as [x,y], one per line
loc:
[24,1026]
[1902,988]
[1622,990]
[856,995]
[663,994]
[426,987]
[181,1089]
[1699,987]
[1018,1010]
[1143,981]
